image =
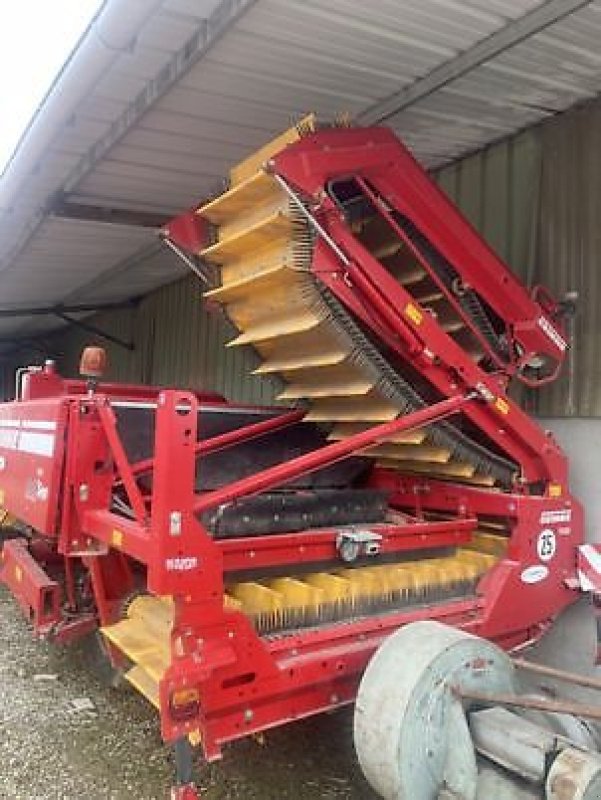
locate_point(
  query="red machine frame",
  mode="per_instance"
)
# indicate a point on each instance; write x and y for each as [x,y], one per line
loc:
[242,682]
[247,683]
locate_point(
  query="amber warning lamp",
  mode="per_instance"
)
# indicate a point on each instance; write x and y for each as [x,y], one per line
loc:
[92,365]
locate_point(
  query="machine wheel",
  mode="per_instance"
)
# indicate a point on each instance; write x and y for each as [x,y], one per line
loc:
[411,733]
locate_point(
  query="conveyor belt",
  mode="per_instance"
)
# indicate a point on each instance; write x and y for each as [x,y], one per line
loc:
[263,249]
[277,605]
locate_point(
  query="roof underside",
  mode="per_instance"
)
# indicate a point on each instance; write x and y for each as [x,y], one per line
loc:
[159,116]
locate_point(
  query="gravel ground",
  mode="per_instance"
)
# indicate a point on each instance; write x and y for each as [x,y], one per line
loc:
[51,751]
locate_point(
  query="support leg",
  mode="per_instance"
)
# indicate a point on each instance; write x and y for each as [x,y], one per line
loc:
[597,612]
[184,760]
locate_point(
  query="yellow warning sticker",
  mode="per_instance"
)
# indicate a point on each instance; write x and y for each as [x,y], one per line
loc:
[502,405]
[117,538]
[555,490]
[414,314]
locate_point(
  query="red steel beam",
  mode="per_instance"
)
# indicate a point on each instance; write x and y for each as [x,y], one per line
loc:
[123,534]
[260,552]
[107,418]
[36,592]
[423,260]
[283,473]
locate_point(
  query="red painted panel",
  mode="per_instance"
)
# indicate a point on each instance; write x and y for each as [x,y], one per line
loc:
[32,438]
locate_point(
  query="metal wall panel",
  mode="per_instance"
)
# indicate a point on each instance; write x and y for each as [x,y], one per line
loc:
[497,190]
[537,199]
[178,342]
[569,251]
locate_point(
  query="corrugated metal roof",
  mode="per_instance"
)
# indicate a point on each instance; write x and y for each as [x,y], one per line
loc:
[203,82]
[537,78]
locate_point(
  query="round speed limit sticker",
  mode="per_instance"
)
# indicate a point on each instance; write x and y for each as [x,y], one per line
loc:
[546,544]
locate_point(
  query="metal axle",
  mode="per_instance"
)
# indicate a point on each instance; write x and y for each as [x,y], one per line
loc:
[524,701]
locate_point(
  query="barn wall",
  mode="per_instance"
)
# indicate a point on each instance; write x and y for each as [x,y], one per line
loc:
[177,341]
[497,189]
[537,200]
[569,251]
[551,234]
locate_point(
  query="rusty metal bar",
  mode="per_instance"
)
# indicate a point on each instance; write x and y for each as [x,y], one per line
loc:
[559,674]
[536,703]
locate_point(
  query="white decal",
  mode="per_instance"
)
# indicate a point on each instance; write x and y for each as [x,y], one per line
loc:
[593,556]
[181,564]
[534,574]
[552,333]
[8,439]
[36,424]
[175,523]
[546,544]
[39,424]
[586,584]
[553,517]
[35,490]
[38,444]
